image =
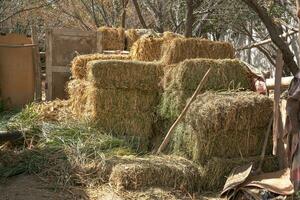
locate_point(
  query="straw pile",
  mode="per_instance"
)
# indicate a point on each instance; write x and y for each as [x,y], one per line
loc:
[131,37]
[112,38]
[224,125]
[181,81]
[180,49]
[57,110]
[171,172]
[79,63]
[120,96]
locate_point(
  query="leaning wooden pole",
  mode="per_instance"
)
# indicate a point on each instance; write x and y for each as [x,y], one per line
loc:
[171,130]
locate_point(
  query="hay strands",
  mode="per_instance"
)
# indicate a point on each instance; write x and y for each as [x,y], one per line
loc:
[170,132]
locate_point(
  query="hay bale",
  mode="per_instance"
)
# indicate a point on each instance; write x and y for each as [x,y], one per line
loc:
[112,38]
[172,172]
[227,125]
[180,49]
[147,49]
[120,96]
[214,174]
[180,82]
[113,74]
[79,63]
[132,36]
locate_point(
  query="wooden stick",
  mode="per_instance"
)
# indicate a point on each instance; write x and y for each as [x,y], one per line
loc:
[170,132]
[276,111]
[37,65]
[263,152]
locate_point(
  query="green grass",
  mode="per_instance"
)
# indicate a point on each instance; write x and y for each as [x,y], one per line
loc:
[57,150]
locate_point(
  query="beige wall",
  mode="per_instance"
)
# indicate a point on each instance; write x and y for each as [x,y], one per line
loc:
[16,71]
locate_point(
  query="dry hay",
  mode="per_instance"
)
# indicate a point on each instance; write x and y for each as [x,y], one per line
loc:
[77,90]
[169,35]
[181,81]
[112,38]
[79,63]
[132,36]
[171,172]
[150,48]
[226,125]
[120,96]
[114,74]
[57,110]
[180,49]
[147,49]
[214,174]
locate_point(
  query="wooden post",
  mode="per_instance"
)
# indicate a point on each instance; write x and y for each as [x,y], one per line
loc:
[278,145]
[170,132]
[37,65]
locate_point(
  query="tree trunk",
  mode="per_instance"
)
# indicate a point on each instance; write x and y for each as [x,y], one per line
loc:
[123,16]
[189,19]
[274,32]
[139,13]
[298,15]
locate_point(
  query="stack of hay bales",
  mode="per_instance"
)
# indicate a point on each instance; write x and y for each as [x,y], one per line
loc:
[180,49]
[224,130]
[112,38]
[120,96]
[181,81]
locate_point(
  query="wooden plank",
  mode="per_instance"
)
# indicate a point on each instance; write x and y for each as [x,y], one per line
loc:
[37,65]
[73,32]
[49,65]
[285,82]
[62,69]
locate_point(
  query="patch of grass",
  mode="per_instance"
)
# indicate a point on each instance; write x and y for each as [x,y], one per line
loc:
[59,151]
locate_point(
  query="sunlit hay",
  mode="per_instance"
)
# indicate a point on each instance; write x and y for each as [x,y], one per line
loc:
[147,49]
[132,36]
[57,110]
[226,125]
[180,49]
[77,90]
[79,63]
[181,81]
[114,74]
[171,172]
[112,38]
[169,35]
[216,171]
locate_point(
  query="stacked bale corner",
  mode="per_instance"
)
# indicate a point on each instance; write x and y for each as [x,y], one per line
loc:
[77,90]
[132,36]
[122,96]
[181,81]
[147,49]
[150,48]
[180,49]
[112,38]
[79,63]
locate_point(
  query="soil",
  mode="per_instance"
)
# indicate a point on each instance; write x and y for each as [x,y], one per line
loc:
[30,187]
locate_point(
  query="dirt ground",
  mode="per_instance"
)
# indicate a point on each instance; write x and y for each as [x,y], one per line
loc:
[30,187]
